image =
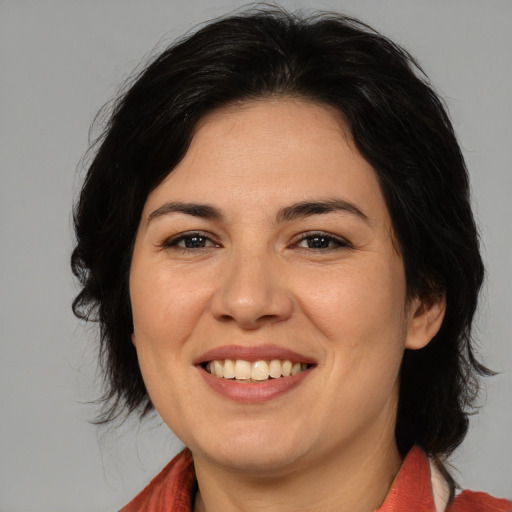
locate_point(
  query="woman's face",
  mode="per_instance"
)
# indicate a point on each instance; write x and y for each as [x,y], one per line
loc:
[270,241]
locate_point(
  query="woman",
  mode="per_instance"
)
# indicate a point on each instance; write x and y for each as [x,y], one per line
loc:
[276,237]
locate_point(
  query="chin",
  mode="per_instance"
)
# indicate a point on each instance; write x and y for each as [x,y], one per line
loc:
[255,451]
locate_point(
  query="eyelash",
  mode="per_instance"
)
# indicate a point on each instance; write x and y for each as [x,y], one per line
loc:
[338,243]
[333,242]
[183,237]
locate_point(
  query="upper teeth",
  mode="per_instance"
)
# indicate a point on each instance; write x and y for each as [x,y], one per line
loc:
[257,370]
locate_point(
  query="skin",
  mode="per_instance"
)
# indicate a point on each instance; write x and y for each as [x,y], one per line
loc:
[328,444]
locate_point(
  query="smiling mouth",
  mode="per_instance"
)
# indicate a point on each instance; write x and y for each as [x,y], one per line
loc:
[255,371]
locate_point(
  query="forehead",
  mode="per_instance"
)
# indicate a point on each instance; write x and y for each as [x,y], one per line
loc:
[266,153]
[272,131]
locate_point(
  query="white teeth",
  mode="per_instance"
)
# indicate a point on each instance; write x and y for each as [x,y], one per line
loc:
[296,368]
[275,368]
[260,370]
[229,369]
[256,371]
[243,370]
[287,369]
[218,369]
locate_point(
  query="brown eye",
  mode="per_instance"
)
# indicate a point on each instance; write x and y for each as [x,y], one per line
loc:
[190,241]
[194,242]
[319,241]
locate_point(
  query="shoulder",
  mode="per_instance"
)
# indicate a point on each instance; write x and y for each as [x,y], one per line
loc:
[170,491]
[470,501]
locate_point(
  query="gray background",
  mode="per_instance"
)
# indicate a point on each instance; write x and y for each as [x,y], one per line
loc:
[59,62]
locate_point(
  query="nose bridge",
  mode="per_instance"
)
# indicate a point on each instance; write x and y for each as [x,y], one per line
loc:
[250,291]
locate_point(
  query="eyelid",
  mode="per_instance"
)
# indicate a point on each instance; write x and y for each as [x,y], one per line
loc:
[173,241]
[339,241]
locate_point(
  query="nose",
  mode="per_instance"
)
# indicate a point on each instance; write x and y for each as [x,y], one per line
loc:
[251,293]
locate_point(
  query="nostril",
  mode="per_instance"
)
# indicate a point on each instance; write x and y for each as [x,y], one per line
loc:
[251,312]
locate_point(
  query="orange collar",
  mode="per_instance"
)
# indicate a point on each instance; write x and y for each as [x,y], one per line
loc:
[414,490]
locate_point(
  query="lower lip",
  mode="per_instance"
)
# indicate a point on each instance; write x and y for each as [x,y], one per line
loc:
[253,392]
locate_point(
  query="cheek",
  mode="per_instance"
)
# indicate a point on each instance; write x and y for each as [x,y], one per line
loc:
[360,313]
[166,305]
[165,310]
[353,304]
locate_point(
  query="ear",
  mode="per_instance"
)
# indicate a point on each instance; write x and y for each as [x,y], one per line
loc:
[133,339]
[426,315]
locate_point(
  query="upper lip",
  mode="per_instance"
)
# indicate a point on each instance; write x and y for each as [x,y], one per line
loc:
[253,353]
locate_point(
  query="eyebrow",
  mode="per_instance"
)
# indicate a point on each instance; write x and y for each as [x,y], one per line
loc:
[295,211]
[310,208]
[204,211]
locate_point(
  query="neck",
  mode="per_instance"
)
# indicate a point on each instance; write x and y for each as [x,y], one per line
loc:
[355,478]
